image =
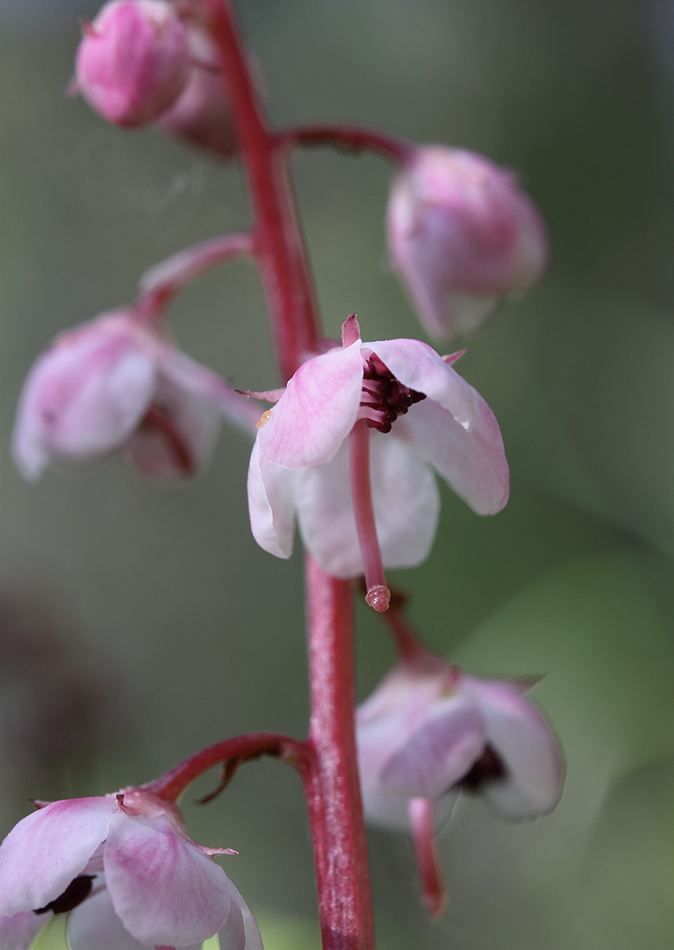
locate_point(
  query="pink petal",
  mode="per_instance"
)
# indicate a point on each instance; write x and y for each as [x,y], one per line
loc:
[271,504]
[522,738]
[164,890]
[473,463]
[406,506]
[19,931]
[48,849]
[240,931]
[438,753]
[417,366]
[317,410]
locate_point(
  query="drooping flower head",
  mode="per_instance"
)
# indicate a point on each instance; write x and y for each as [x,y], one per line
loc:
[133,60]
[110,383]
[127,872]
[414,410]
[461,234]
[430,732]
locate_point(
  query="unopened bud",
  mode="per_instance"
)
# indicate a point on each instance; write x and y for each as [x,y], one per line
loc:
[133,61]
[462,234]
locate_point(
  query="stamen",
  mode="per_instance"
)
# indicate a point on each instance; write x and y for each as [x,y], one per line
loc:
[383,397]
[76,892]
[378,594]
[433,891]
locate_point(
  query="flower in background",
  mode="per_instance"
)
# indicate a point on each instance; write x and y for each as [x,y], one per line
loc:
[133,61]
[420,413]
[128,873]
[109,383]
[461,234]
[429,731]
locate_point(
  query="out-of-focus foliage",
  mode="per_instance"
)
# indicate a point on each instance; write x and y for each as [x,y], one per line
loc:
[168,598]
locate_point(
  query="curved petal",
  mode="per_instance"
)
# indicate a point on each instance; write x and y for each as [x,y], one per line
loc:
[438,754]
[317,411]
[18,931]
[405,500]
[48,849]
[417,366]
[240,931]
[522,738]
[271,504]
[165,891]
[473,463]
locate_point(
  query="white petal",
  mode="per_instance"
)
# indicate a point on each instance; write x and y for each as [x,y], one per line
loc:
[473,463]
[94,925]
[240,931]
[271,504]
[405,500]
[18,931]
[520,735]
[390,811]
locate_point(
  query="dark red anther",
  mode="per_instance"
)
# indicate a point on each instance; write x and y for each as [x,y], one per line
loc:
[76,892]
[384,396]
[488,768]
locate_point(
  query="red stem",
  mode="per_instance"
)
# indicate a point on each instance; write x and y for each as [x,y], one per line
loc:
[278,241]
[239,749]
[349,137]
[331,785]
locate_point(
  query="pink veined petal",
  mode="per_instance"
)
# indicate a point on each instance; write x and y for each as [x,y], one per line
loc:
[164,890]
[19,931]
[438,754]
[406,505]
[48,849]
[417,366]
[317,411]
[271,504]
[473,463]
[240,931]
[183,443]
[520,735]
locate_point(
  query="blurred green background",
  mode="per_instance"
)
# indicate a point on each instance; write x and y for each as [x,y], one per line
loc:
[139,623]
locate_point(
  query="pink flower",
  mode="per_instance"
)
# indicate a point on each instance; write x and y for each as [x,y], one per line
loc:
[428,732]
[201,116]
[109,383]
[133,61]
[461,234]
[422,412]
[127,871]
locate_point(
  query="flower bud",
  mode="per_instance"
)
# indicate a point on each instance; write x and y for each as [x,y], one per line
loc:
[201,117]
[133,61]
[461,234]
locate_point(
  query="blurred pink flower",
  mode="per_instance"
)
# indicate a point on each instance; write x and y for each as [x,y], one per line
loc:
[461,234]
[300,461]
[429,730]
[127,871]
[133,60]
[109,383]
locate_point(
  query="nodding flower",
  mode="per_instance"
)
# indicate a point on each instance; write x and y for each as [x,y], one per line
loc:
[348,449]
[127,873]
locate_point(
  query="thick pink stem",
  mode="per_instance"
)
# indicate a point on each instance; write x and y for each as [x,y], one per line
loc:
[278,241]
[378,595]
[349,137]
[331,781]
